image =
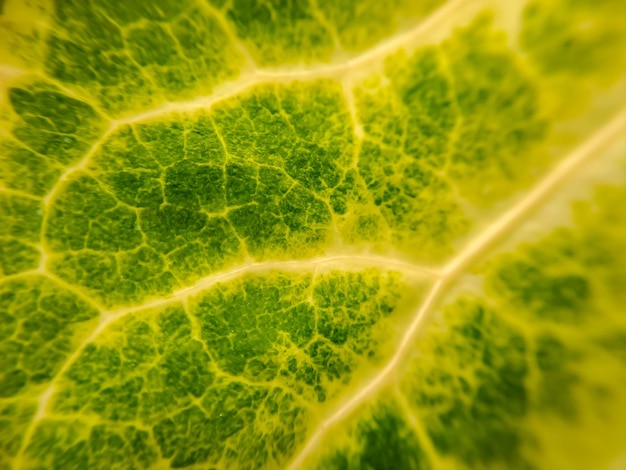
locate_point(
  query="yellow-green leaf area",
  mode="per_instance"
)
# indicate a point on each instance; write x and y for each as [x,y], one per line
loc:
[588,41]
[41,324]
[152,52]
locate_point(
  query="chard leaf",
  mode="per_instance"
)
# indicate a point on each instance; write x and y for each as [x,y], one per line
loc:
[312,234]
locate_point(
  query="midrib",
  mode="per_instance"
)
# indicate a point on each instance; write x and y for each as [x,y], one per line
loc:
[602,139]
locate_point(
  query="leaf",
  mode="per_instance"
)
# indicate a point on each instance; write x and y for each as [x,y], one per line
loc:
[350,234]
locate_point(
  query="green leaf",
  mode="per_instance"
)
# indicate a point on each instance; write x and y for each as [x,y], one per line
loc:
[312,234]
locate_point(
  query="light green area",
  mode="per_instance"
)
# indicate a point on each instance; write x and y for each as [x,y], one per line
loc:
[358,24]
[463,114]
[193,253]
[381,438]
[277,32]
[437,134]
[14,420]
[42,323]
[589,43]
[23,32]
[152,52]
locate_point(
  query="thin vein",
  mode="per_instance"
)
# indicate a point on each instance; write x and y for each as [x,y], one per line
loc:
[605,136]
[363,393]
[265,266]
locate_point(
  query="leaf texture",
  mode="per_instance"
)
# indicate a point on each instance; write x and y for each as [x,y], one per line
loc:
[312,234]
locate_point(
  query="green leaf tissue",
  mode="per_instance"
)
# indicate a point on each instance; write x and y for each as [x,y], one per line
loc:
[313,234]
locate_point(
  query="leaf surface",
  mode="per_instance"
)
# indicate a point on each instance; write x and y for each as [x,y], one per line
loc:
[311,234]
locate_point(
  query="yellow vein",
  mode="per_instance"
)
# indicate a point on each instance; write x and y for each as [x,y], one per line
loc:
[605,136]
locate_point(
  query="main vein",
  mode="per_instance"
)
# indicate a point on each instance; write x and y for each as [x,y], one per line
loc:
[599,141]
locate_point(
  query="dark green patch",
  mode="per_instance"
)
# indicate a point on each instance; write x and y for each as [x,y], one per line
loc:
[384,441]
